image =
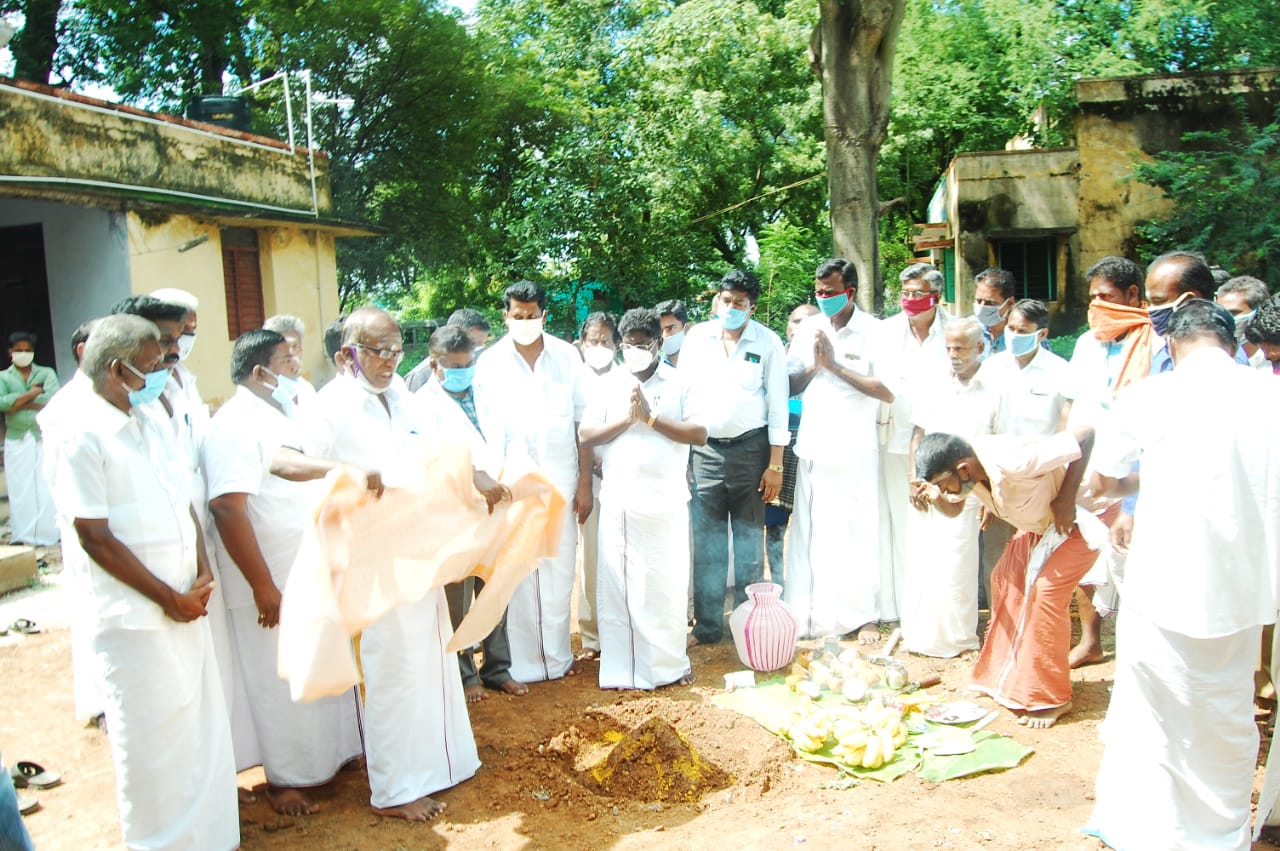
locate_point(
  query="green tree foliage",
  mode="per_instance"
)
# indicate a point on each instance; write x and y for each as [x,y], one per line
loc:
[1219,185]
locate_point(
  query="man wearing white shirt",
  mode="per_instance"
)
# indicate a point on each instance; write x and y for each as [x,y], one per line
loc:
[150,583]
[994,291]
[638,421]
[911,353]
[1034,386]
[292,329]
[736,372]
[530,388]
[1180,739]
[417,733]
[452,395]
[833,556]
[940,600]
[259,520]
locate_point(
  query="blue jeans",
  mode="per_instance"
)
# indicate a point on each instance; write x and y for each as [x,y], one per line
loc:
[13,832]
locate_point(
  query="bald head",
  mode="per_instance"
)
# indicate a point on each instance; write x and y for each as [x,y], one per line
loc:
[1179,272]
[372,347]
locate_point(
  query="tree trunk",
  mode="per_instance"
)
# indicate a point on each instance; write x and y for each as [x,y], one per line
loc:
[852,53]
[34,46]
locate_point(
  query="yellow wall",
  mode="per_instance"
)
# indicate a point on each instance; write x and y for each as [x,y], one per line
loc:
[299,277]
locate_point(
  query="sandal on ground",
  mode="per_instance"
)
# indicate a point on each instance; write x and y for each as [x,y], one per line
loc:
[24,626]
[27,804]
[33,774]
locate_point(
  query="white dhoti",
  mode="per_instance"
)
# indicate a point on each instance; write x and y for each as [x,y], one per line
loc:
[32,518]
[300,744]
[1180,740]
[940,602]
[86,681]
[417,732]
[641,582]
[833,553]
[892,532]
[538,614]
[588,560]
[170,740]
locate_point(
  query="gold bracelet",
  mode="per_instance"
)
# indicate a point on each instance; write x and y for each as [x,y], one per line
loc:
[652,419]
[775,468]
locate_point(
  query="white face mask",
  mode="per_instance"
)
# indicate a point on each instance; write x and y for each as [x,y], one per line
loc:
[637,359]
[597,357]
[186,343]
[525,331]
[22,360]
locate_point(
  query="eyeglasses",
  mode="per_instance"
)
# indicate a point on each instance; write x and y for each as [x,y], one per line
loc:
[916,293]
[396,355]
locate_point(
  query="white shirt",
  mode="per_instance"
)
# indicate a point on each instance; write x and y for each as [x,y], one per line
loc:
[734,393]
[903,362]
[1204,559]
[1031,397]
[640,466]
[966,410]
[838,418]
[118,467]
[347,423]
[1093,370]
[456,426]
[243,438]
[530,416]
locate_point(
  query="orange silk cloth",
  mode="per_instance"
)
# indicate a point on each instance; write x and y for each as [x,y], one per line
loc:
[366,555]
[1110,322]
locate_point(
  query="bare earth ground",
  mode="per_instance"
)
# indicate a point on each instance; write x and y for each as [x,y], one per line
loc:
[526,795]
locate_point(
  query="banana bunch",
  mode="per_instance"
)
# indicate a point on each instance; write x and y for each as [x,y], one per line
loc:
[810,732]
[870,736]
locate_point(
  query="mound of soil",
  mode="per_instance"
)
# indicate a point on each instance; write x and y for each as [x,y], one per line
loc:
[651,762]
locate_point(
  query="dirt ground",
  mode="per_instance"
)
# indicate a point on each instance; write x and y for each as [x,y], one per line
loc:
[527,794]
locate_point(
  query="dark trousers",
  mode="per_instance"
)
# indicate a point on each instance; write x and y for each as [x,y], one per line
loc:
[725,481]
[496,668]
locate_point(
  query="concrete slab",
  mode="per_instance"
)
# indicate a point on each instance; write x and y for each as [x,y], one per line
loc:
[17,567]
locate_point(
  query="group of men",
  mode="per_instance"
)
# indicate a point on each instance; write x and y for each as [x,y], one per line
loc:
[929,462]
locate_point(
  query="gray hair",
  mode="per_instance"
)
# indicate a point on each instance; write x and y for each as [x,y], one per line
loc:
[1253,291]
[968,326]
[116,337]
[283,323]
[924,272]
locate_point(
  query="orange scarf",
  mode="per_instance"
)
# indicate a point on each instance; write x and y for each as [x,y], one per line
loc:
[1110,322]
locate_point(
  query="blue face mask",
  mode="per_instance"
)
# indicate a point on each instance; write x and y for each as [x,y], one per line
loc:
[285,391]
[733,319]
[457,380]
[1020,344]
[830,305]
[152,386]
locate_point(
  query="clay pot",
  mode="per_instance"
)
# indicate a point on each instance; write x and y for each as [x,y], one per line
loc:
[764,630]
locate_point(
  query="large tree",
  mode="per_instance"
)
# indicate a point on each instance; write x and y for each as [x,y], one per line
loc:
[852,52]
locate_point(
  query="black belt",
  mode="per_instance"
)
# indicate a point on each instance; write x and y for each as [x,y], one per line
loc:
[730,441]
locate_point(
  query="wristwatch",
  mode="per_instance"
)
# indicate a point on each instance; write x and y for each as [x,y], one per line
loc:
[652,419]
[775,468]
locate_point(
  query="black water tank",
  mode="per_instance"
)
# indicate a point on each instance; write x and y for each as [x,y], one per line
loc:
[231,112]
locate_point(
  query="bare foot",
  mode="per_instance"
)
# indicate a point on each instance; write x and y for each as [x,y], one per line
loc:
[244,796]
[1043,719]
[687,680]
[423,809]
[290,802]
[475,693]
[691,641]
[514,687]
[590,654]
[869,634]
[1085,654]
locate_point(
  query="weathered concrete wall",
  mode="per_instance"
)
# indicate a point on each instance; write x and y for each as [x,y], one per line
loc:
[1126,120]
[299,276]
[1009,195]
[86,264]
[54,135]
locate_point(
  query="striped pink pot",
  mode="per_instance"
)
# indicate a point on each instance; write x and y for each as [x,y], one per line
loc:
[764,630]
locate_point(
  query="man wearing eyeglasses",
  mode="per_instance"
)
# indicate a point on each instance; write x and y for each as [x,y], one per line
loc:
[417,734]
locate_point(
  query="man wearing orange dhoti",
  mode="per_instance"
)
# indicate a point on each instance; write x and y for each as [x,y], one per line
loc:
[1030,482]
